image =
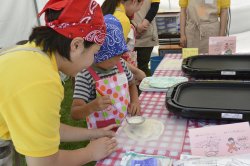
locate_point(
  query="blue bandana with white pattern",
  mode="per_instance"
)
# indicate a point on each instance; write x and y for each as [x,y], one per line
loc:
[114,43]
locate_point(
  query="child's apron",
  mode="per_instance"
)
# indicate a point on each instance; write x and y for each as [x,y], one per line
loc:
[117,88]
[202,23]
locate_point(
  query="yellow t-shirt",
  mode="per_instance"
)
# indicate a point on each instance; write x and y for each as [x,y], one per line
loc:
[220,3]
[120,14]
[30,98]
[155,1]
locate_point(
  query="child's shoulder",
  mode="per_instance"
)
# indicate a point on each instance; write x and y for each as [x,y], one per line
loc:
[84,73]
[124,65]
[123,62]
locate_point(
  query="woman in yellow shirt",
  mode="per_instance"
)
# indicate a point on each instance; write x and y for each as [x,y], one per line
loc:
[201,19]
[31,91]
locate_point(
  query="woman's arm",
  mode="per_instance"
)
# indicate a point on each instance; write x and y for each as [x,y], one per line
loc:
[95,150]
[183,39]
[223,21]
[72,134]
[152,11]
[142,27]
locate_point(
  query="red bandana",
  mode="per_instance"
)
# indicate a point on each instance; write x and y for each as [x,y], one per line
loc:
[79,18]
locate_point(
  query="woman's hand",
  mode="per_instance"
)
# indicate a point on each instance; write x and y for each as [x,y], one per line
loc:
[101,148]
[183,41]
[142,27]
[145,23]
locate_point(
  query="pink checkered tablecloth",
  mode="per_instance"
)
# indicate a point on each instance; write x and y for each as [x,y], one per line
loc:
[173,142]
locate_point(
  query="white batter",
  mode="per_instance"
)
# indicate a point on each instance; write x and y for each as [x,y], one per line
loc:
[151,129]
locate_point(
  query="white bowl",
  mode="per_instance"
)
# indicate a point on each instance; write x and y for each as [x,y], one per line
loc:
[135,120]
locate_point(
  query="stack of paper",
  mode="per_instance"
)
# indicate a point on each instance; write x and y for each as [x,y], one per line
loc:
[219,145]
[220,140]
[239,160]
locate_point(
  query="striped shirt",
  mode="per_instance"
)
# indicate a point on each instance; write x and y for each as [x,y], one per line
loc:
[85,84]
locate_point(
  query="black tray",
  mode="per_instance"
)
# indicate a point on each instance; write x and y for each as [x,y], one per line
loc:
[210,100]
[217,66]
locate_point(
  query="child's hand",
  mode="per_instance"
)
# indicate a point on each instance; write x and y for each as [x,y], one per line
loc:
[102,102]
[134,108]
[101,148]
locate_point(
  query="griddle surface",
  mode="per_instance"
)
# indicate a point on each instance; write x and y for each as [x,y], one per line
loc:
[220,97]
[221,63]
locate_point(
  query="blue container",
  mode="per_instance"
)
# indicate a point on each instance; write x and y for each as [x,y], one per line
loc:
[154,62]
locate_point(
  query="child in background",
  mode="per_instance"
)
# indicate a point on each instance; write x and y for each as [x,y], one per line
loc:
[106,91]
[131,55]
[124,10]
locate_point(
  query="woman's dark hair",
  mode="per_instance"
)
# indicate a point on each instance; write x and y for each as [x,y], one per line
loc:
[109,6]
[22,42]
[52,41]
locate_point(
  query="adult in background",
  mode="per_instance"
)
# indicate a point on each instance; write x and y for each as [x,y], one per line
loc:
[146,32]
[201,19]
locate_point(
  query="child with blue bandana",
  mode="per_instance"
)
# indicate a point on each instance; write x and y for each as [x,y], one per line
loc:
[106,91]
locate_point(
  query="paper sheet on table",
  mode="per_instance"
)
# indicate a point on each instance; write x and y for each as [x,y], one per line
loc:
[187,52]
[220,140]
[224,45]
[188,160]
[170,64]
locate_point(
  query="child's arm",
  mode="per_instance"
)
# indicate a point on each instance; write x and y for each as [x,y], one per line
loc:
[138,74]
[183,39]
[223,21]
[134,107]
[80,109]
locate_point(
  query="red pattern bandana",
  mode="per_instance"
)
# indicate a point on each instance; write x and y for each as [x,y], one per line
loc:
[79,18]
